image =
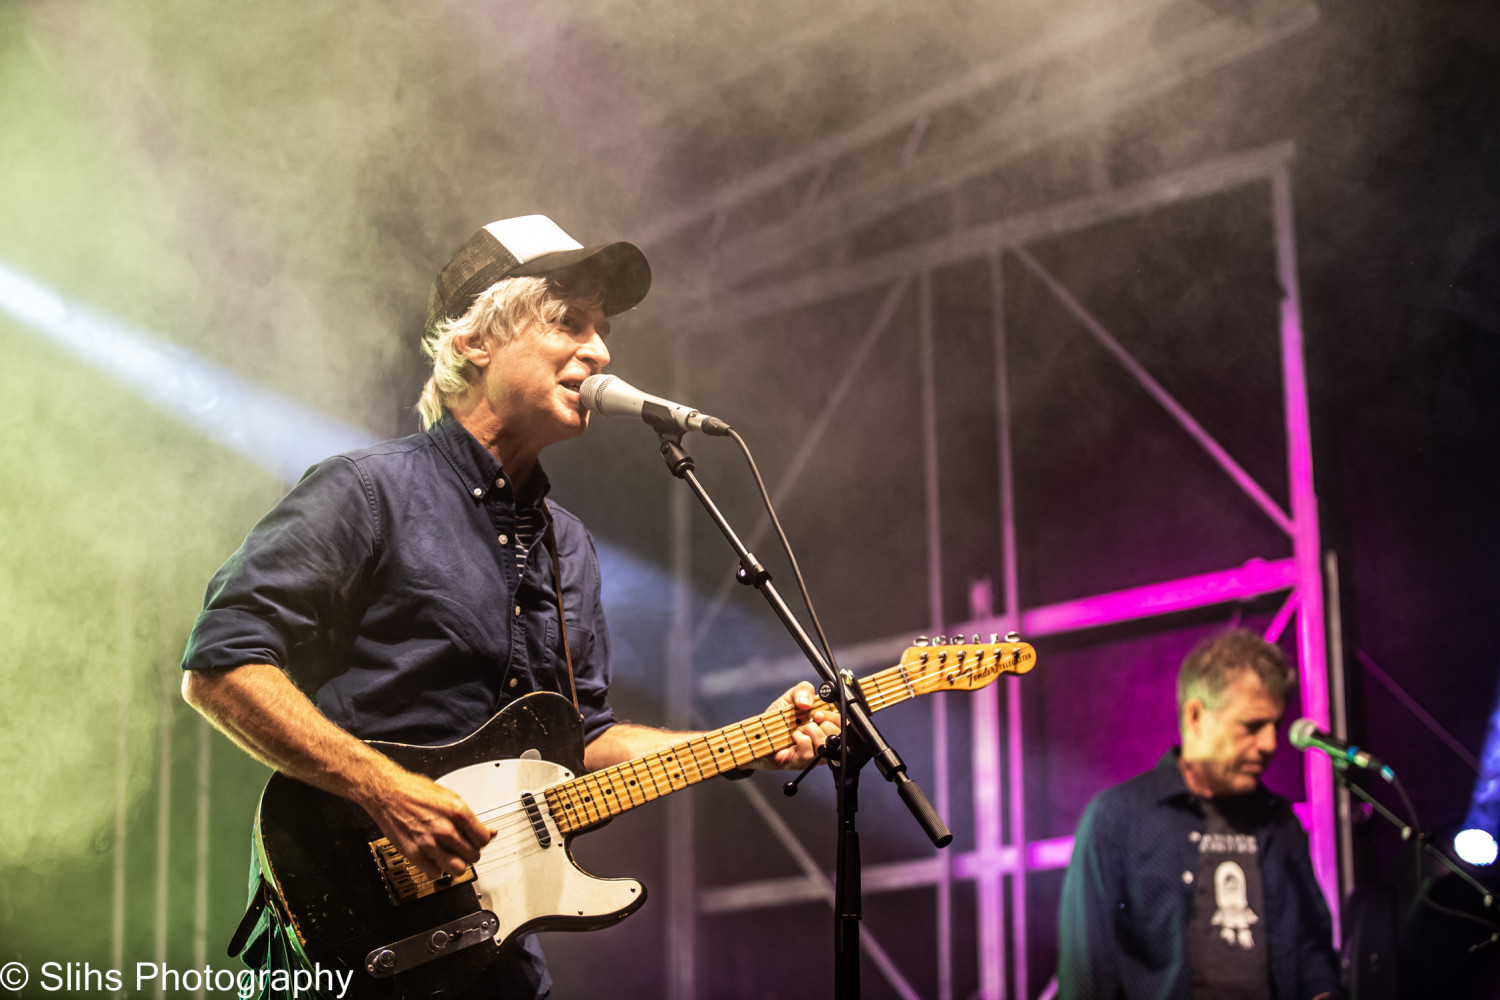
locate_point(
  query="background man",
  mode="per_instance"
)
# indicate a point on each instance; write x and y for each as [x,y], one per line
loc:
[1193,880]
[406,592]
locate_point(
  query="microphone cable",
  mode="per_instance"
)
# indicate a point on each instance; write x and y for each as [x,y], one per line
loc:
[786,547]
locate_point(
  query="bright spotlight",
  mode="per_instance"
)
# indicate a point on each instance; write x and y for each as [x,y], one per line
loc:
[280,435]
[1477,847]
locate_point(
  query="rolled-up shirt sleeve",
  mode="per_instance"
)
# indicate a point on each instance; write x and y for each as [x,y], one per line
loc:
[390,587]
[294,576]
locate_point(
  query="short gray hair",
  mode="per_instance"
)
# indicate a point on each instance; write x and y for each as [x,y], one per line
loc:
[1216,661]
[501,311]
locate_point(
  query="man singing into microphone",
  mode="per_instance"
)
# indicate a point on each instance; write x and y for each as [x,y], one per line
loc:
[408,591]
[1192,881]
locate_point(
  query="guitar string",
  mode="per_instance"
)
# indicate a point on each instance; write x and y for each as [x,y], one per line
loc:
[884,686]
[518,825]
[882,689]
[514,847]
[513,842]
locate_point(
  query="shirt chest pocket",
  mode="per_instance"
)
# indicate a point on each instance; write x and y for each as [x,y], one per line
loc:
[580,648]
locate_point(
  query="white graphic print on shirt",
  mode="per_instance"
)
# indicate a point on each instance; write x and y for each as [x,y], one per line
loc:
[1232,914]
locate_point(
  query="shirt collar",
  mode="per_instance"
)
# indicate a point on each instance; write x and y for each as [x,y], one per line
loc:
[1166,777]
[477,469]
[1168,783]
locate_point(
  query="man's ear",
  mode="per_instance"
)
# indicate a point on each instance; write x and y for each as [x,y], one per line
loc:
[474,349]
[1192,715]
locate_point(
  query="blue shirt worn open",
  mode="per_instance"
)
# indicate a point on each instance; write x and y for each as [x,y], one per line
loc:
[1128,889]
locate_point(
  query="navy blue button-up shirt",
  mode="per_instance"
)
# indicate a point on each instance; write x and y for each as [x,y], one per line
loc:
[1125,902]
[386,585]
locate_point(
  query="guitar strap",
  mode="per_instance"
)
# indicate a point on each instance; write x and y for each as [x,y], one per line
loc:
[550,540]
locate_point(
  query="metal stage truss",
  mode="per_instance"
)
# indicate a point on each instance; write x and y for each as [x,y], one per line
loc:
[1001,857]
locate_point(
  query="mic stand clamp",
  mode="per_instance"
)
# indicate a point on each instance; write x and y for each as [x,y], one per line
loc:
[824,752]
[860,741]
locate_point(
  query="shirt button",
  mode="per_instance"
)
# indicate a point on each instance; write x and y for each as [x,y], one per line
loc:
[478,492]
[1195,836]
[504,539]
[513,682]
[500,482]
[1187,878]
[518,611]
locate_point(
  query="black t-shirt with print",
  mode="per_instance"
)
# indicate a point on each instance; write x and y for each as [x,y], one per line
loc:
[1226,932]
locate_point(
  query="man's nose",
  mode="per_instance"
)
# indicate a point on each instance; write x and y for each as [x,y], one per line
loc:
[595,352]
[1267,741]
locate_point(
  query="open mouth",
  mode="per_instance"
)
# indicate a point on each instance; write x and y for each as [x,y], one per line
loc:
[572,385]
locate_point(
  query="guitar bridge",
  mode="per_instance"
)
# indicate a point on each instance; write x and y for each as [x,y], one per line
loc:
[404,881]
[419,949]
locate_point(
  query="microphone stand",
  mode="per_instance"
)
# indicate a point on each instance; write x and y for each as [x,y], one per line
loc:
[1409,832]
[858,743]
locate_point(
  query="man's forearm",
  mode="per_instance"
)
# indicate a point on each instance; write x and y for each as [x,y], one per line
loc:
[259,708]
[625,741]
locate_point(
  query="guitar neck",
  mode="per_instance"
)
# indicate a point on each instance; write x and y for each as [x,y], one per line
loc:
[592,798]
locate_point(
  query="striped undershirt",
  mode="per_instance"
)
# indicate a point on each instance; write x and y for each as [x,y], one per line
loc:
[529,524]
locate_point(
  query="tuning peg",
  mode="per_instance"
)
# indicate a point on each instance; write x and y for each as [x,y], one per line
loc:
[976,638]
[1012,637]
[994,638]
[922,640]
[940,640]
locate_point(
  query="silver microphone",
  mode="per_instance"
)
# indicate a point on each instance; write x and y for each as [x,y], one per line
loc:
[610,396]
[1304,734]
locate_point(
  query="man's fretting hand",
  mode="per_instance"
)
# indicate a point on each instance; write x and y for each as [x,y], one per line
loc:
[814,728]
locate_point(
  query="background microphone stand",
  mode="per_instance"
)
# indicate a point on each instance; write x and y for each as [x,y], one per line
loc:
[1387,952]
[859,742]
[1412,833]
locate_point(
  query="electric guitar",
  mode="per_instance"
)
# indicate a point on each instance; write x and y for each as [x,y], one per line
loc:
[354,903]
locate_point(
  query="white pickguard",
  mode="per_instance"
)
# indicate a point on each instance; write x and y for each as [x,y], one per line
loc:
[518,879]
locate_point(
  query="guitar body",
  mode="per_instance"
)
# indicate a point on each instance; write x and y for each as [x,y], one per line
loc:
[355,905]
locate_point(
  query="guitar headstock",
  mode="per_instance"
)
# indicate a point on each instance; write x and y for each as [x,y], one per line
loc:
[955,664]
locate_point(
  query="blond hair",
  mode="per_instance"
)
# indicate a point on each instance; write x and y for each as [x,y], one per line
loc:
[502,311]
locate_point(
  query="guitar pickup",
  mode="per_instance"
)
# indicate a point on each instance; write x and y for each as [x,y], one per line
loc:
[538,825]
[404,881]
[419,949]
